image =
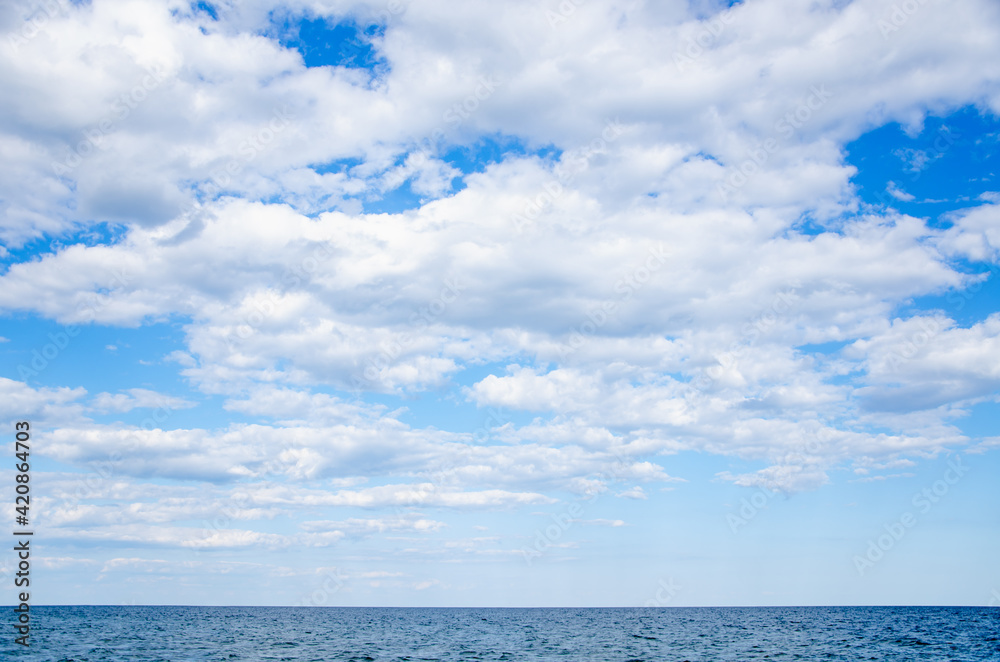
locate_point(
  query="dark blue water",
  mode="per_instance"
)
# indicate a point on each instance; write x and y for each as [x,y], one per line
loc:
[299,634]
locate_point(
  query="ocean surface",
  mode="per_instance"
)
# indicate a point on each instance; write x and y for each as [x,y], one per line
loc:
[301,634]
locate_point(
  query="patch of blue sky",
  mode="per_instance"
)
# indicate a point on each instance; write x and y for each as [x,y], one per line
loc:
[206,8]
[337,167]
[948,165]
[398,200]
[473,373]
[45,353]
[194,10]
[967,306]
[275,199]
[824,348]
[322,42]
[809,225]
[702,155]
[393,201]
[981,421]
[447,409]
[491,149]
[698,469]
[468,158]
[99,233]
[704,10]
[885,493]
[206,412]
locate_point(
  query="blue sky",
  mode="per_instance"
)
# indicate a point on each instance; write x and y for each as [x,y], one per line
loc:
[532,304]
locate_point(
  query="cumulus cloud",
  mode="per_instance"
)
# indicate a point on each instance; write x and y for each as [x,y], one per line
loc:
[137,398]
[42,405]
[633,493]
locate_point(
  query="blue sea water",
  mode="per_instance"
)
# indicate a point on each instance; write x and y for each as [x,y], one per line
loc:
[301,634]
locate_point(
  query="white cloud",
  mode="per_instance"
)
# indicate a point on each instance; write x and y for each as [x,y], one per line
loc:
[359,527]
[40,406]
[602,522]
[419,494]
[175,537]
[782,478]
[137,398]
[899,193]
[926,362]
[633,493]
[975,234]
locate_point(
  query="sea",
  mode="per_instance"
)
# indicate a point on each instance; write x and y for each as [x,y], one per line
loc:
[314,634]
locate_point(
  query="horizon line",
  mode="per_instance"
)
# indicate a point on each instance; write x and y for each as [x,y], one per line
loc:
[841,606]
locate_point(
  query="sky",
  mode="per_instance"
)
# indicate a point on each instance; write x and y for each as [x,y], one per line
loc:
[531,303]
